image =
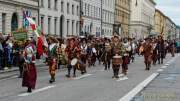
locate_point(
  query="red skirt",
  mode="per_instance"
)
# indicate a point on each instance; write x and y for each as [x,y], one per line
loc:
[29,76]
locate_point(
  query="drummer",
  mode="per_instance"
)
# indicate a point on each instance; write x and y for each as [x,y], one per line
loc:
[72,51]
[117,51]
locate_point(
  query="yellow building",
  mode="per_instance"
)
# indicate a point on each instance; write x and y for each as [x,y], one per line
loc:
[164,25]
[122,17]
[160,22]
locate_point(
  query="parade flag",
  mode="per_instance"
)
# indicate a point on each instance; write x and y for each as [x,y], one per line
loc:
[32,23]
[41,38]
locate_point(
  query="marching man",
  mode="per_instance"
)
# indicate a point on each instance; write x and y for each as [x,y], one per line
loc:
[117,52]
[52,58]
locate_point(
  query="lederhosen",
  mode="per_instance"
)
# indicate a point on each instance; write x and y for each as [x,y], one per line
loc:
[52,61]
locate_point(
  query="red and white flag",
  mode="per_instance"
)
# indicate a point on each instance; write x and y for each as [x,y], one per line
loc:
[32,23]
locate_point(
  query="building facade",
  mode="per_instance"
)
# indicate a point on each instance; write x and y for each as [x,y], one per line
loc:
[60,17]
[161,25]
[177,32]
[13,12]
[142,18]
[170,29]
[91,17]
[108,8]
[164,26]
[122,17]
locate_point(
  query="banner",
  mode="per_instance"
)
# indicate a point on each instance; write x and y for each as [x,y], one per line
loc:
[20,35]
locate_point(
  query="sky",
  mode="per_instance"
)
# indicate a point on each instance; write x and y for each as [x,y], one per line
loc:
[170,8]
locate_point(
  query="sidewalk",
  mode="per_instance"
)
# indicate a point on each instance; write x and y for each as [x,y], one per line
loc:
[165,87]
[38,64]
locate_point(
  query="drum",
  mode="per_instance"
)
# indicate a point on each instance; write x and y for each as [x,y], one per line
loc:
[74,61]
[78,65]
[117,60]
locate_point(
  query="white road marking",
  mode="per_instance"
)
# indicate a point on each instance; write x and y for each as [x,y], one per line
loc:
[163,67]
[138,88]
[159,70]
[167,64]
[122,78]
[36,91]
[81,77]
[120,75]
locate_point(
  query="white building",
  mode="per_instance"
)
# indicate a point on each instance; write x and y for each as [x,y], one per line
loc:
[142,18]
[177,32]
[60,17]
[91,17]
[13,12]
[108,7]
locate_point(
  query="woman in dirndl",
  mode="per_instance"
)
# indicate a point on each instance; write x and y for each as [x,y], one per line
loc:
[29,74]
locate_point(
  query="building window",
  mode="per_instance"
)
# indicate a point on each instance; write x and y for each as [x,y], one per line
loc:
[77,10]
[49,3]
[42,3]
[3,23]
[55,26]
[88,10]
[73,27]
[62,6]
[67,8]
[77,27]
[99,13]
[72,9]
[49,25]
[67,27]
[42,23]
[55,4]
[85,9]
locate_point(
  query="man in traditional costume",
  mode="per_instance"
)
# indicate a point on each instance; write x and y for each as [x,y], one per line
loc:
[126,57]
[29,74]
[62,61]
[106,56]
[1,53]
[52,58]
[147,51]
[72,51]
[83,47]
[117,53]
[155,52]
[161,49]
